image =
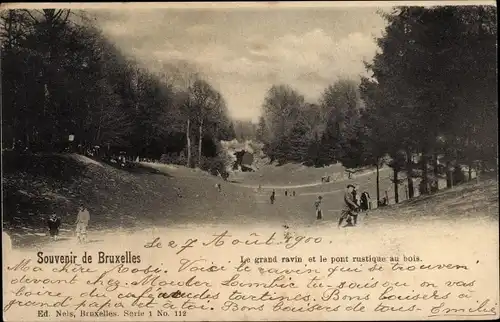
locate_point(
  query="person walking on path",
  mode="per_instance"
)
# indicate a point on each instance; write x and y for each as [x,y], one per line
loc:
[273,197]
[53,223]
[350,206]
[356,201]
[317,205]
[82,222]
[355,196]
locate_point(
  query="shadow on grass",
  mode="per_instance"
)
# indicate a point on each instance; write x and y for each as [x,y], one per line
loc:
[51,166]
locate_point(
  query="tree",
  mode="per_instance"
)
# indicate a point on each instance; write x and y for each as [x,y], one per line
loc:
[262,134]
[297,142]
[375,134]
[244,130]
[424,53]
[62,78]
[206,107]
[281,109]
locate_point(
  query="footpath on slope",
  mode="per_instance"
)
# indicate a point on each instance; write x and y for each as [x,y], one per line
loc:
[306,185]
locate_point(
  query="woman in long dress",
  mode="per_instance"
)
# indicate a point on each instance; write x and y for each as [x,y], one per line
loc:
[82,222]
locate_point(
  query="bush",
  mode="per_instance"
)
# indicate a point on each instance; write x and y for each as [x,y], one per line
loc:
[218,164]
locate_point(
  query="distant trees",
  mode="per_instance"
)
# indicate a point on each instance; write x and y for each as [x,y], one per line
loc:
[314,134]
[245,130]
[204,108]
[289,126]
[281,107]
[61,76]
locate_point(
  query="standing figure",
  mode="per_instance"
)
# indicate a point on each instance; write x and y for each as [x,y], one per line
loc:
[293,193]
[273,197]
[355,196]
[365,199]
[349,208]
[82,222]
[356,201]
[317,205]
[53,223]
[286,193]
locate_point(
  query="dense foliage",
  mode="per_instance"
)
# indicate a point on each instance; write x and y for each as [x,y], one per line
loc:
[429,106]
[62,77]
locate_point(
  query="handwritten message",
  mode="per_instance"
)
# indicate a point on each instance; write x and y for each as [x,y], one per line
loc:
[231,277]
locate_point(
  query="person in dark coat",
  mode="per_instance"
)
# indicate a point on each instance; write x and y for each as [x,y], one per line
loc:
[350,207]
[273,197]
[317,205]
[355,196]
[365,198]
[53,223]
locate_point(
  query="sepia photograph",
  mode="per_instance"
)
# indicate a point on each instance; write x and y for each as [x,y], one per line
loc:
[282,160]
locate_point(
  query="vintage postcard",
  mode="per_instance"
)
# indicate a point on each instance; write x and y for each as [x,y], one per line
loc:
[296,161]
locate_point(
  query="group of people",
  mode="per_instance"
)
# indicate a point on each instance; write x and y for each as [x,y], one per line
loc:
[352,206]
[82,222]
[272,198]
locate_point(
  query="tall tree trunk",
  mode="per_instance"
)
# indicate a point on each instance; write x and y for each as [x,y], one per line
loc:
[409,174]
[378,183]
[424,186]
[396,187]
[467,144]
[188,142]
[200,133]
[435,169]
[478,171]
[449,175]
[411,189]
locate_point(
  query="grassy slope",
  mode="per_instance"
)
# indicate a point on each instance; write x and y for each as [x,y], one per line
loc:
[38,185]
[35,186]
[467,201]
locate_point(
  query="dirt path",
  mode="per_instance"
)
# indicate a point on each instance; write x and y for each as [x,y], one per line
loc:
[307,185]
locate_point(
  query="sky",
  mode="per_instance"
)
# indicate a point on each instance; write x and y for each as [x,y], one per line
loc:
[244,51]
